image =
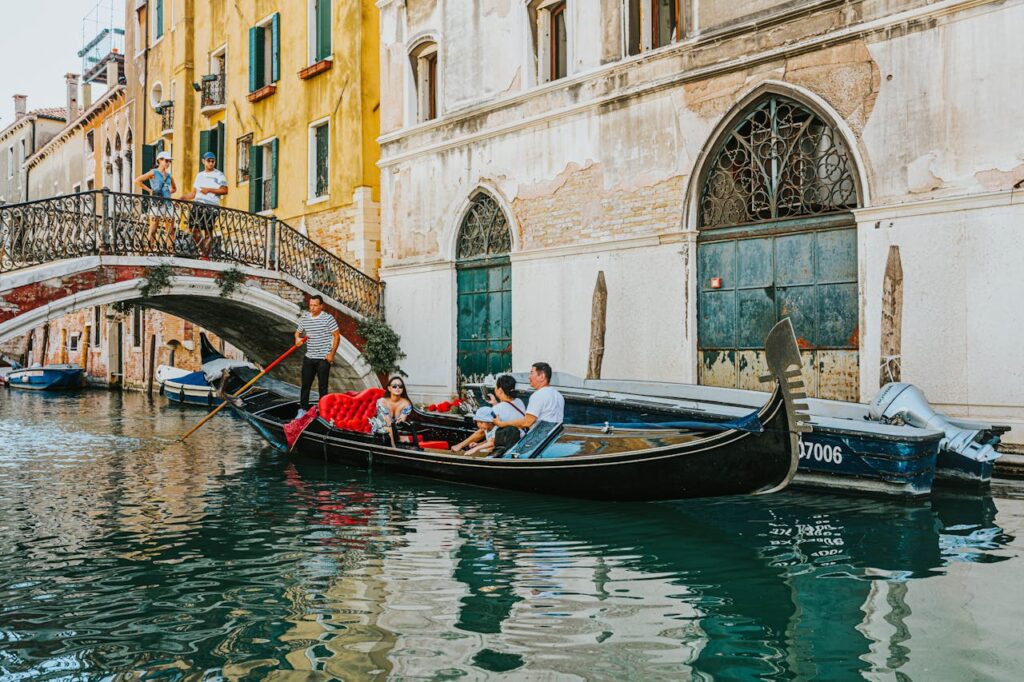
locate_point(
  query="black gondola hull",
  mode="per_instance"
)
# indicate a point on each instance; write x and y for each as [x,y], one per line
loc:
[726,463]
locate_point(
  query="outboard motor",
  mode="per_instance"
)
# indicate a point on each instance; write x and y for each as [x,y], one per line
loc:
[907,402]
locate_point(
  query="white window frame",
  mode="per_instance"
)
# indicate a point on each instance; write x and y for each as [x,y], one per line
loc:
[214,62]
[139,33]
[267,24]
[311,35]
[311,196]
[647,27]
[538,16]
[151,18]
[268,159]
[419,55]
[154,100]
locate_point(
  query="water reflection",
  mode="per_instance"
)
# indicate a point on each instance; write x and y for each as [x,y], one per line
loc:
[124,550]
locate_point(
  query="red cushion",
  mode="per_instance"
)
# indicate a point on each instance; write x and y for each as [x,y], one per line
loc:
[351,410]
[434,444]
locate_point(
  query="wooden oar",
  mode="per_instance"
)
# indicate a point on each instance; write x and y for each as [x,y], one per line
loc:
[243,388]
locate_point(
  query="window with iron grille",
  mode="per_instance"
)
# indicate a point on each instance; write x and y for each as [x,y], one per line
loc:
[137,327]
[97,319]
[242,146]
[319,160]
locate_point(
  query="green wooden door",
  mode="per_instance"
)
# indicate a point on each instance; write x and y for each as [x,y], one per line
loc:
[484,320]
[746,285]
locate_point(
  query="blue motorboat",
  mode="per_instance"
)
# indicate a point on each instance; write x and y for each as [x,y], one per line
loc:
[47,377]
[896,445]
[186,387]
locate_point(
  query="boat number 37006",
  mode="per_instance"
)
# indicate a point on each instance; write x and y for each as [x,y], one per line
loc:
[832,454]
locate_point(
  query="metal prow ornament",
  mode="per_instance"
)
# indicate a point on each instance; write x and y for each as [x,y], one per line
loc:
[784,362]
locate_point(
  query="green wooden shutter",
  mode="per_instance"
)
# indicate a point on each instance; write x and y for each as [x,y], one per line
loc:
[204,144]
[275,41]
[273,174]
[255,179]
[148,157]
[323,29]
[158,9]
[219,150]
[256,59]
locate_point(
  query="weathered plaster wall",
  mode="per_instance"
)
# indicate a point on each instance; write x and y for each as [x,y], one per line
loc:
[60,170]
[607,160]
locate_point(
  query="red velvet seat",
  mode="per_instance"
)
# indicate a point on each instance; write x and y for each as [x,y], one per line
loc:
[351,411]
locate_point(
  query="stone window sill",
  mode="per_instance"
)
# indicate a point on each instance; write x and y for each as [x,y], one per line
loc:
[262,93]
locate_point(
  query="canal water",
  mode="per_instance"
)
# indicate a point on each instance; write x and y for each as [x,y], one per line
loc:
[128,555]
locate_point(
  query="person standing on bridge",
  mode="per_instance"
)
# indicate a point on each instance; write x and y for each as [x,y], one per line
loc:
[323,335]
[159,184]
[209,187]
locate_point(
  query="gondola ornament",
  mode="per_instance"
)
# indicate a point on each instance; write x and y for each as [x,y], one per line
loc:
[783,357]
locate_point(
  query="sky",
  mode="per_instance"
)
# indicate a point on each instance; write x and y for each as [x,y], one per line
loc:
[39,43]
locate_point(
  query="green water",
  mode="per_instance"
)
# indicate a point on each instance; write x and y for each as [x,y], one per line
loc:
[128,555]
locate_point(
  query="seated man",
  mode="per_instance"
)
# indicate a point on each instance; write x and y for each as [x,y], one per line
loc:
[546,404]
[485,430]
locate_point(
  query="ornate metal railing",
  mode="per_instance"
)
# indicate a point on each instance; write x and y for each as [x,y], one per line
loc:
[167,117]
[110,223]
[213,90]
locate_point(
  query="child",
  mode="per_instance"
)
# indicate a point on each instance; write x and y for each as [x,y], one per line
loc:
[485,431]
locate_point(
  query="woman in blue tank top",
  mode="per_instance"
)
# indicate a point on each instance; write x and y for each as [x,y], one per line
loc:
[159,184]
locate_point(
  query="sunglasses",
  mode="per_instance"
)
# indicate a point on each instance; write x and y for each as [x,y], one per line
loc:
[397,386]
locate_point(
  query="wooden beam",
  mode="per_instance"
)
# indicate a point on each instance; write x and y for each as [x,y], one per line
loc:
[598,315]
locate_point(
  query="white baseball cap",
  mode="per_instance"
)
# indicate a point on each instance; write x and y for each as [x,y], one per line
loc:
[163,155]
[484,414]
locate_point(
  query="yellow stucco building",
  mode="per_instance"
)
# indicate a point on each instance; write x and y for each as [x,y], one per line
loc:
[284,91]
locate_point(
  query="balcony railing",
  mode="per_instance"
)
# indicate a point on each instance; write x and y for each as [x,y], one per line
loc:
[167,117]
[213,90]
[110,223]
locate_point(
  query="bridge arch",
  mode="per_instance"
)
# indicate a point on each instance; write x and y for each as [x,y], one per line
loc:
[258,317]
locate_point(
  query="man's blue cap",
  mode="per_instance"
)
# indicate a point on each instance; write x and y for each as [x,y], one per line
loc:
[209,155]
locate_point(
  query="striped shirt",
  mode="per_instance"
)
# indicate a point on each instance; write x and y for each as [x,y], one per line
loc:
[320,330]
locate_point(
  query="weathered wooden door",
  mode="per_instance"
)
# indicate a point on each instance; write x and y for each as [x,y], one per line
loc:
[484,292]
[485,320]
[777,240]
[747,285]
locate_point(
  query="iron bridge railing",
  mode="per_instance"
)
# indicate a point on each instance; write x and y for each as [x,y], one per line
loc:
[100,222]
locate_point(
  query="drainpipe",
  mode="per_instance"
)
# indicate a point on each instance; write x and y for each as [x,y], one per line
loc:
[145,88]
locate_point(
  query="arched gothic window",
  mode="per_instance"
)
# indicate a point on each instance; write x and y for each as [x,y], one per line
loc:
[484,291]
[780,160]
[484,231]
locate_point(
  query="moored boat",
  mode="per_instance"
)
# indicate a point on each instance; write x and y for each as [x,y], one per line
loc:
[185,387]
[754,453]
[47,377]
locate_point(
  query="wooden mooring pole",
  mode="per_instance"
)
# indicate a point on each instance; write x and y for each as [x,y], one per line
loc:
[152,360]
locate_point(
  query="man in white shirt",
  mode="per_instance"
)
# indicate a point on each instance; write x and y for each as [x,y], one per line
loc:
[546,404]
[209,187]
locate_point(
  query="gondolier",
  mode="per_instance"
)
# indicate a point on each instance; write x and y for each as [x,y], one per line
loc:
[323,335]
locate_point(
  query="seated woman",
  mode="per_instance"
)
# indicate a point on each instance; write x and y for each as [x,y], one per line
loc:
[483,436]
[393,408]
[507,408]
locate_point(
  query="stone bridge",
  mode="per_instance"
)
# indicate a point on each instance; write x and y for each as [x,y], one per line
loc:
[72,252]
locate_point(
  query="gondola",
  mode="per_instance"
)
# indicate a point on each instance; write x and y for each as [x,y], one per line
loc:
[895,445]
[755,454]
